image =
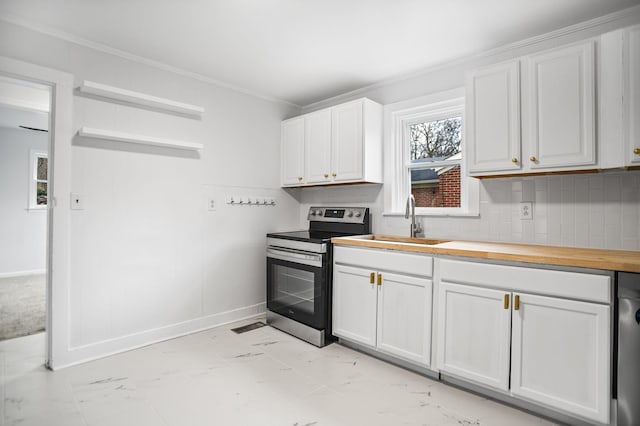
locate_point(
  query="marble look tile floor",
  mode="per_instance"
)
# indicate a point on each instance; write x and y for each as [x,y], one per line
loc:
[217,377]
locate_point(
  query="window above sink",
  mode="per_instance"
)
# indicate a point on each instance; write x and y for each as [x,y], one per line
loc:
[424,156]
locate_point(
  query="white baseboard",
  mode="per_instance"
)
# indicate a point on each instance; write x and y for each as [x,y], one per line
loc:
[22,273]
[90,352]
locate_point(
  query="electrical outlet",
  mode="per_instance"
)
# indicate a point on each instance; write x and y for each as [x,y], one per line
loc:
[77,201]
[211,204]
[526,210]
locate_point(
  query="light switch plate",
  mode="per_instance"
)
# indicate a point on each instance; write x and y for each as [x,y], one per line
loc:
[526,210]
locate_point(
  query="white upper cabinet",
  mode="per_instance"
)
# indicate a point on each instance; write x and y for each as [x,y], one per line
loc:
[631,58]
[493,118]
[292,151]
[347,142]
[559,105]
[317,147]
[341,144]
[551,127]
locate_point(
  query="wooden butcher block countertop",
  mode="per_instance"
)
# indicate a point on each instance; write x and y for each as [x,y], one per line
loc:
[613,260]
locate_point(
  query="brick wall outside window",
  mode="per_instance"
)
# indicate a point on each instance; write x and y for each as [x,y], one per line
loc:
[446,193]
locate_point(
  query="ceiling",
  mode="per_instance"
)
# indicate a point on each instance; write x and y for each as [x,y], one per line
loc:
[24,104]
[304,51]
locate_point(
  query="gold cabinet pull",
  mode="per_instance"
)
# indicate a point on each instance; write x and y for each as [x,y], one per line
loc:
[326,175]
[514,160]
[516,303]
[533,158]
[636,151]
[372,278]
[334,174]
[299,179]
[379,279]
[506,301]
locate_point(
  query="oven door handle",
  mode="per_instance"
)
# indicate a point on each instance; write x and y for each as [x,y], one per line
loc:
[310,259]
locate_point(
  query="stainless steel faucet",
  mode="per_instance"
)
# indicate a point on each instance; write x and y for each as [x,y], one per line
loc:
[416,228]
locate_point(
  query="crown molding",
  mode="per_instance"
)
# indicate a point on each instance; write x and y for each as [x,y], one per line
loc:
[624,16]
[71,38]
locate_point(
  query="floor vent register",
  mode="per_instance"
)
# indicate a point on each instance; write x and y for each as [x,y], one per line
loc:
[248,327]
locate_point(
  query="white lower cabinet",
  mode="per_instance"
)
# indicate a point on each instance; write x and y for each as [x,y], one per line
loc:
[376,306]
[560,354]
[355,305]
[475,334]
[404,317]
[552,351]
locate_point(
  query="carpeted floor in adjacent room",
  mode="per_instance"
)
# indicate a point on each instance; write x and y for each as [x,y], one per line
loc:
[22,305]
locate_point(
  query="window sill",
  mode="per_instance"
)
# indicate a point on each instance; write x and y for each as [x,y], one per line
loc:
[448,214]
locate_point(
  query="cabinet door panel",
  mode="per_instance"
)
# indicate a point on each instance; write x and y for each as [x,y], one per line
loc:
[404,317]
[560,355]
[632,94]
[561,107]
[493,118]
[354,305]
[318,147]
[292,155]
[347,142]
[474,331]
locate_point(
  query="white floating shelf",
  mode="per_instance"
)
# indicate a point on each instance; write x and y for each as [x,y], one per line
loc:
[89,132]
[130,96]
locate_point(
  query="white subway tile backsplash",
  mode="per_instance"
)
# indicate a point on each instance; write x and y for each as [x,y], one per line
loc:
[599,210]
[528,190]
[612,188]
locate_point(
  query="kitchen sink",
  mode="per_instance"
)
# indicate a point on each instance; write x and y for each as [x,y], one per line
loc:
[411,240]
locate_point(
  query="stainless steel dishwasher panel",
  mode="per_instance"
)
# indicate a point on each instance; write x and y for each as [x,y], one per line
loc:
[628,349]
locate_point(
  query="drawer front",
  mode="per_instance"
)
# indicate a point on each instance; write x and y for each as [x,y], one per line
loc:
[384,260]
[572,285]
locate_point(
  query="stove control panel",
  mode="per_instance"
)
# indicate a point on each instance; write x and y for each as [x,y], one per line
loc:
[338,214]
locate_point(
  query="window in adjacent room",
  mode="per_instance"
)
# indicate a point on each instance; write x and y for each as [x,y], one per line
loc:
[38,186]
[428,143]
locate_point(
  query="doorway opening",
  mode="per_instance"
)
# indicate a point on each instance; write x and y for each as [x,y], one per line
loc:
[25,111]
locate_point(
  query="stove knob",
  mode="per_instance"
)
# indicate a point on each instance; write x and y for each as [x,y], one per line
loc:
[358,214]
[318,212]
[350,214]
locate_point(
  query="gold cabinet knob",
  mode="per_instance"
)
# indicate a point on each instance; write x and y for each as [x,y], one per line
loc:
[514,160]
[636,151]
[334,174]
[299,179]
[533,158]
[326,175]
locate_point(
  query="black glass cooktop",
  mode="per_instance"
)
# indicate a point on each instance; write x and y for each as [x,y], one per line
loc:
[308,236]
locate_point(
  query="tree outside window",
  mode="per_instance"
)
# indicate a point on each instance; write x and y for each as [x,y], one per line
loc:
[38,189]
[434,162]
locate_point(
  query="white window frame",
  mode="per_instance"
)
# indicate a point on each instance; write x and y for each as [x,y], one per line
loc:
[398,118]
[33,179]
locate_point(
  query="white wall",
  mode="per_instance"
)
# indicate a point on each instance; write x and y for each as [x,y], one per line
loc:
[147,260]
[23,232]
[586,210]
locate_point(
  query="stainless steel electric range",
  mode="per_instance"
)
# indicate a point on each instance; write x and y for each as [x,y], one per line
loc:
[299,272]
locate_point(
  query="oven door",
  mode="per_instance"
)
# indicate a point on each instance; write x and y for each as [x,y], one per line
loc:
[297,285]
